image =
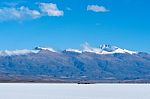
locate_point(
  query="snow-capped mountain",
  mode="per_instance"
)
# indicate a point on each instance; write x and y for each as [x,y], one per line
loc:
[105,62]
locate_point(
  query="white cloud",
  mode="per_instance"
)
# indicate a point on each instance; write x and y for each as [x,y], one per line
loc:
[50,9]
[96,8]
[20,13]
[23,13]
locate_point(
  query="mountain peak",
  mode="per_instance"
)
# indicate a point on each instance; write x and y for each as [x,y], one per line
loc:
[107,47]
[44,48]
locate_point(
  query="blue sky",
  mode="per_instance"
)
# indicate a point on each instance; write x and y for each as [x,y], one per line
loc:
[69,23]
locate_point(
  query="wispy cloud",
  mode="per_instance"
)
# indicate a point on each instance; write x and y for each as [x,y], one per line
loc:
[51,9]
[96,8]
[20,13]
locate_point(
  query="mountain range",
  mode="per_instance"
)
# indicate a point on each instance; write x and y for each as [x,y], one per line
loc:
[105,63]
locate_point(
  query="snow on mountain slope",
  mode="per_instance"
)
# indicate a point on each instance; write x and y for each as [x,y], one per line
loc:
[17,52]
[73,50]
[108,49]
[24,51]
[105,49]
[102,49]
